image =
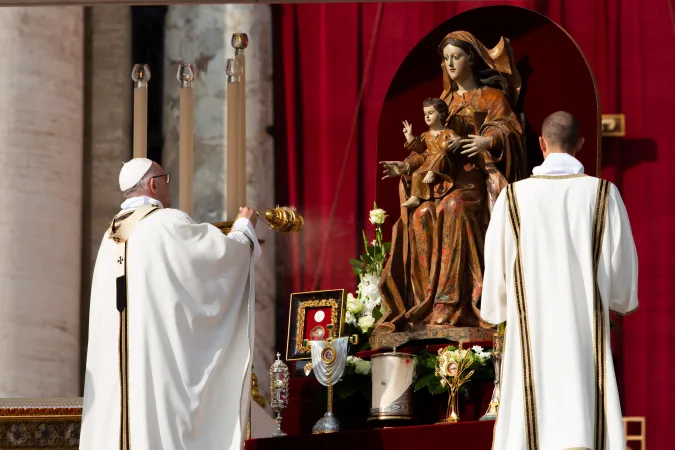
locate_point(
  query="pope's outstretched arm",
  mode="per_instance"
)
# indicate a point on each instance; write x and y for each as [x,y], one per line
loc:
[623,257]
[493,300]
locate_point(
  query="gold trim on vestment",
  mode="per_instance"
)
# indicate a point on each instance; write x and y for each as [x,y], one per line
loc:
[559,177]
[529,395]
[599,327]
[120,230]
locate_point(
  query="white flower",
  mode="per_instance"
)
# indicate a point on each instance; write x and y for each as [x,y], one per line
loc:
[350,319]
[485,355]
[371,279]
[477,349]
[366,322]
[377,216]
[374,243]
[361,367]
[354,305]
[369,306]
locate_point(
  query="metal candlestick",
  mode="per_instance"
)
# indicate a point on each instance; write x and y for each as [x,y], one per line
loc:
[279,380]
[497,354]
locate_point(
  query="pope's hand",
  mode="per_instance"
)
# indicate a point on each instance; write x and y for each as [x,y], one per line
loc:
[250,214]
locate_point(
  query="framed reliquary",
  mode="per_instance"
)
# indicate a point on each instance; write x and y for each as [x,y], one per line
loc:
[309,316]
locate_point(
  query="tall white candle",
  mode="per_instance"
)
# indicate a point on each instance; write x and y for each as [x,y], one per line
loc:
[240,43]
[141,76]
[186,76]
[233,174]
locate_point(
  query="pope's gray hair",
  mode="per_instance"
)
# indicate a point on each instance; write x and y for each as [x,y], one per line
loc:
[141,187]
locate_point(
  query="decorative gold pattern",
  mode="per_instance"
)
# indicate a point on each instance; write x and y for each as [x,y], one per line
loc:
[559,177]
[530,401]
[640,438]
[313,303]
[613,125]
[123,349]
[124,380]
[599,220]
[328,354]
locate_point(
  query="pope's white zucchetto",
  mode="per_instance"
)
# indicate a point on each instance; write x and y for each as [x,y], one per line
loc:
[133,171]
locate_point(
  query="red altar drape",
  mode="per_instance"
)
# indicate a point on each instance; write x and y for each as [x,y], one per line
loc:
[321,54]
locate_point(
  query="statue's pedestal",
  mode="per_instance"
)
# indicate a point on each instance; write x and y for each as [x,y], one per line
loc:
[393,340]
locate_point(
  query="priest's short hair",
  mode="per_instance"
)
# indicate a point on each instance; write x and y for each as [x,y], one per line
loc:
[561,130]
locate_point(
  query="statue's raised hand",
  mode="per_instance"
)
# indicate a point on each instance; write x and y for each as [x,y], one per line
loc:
[407,131]
[394,169]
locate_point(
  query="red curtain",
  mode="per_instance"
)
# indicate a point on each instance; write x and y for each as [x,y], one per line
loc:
[321,63]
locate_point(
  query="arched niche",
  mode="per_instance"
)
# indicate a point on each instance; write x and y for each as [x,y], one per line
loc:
[555,75]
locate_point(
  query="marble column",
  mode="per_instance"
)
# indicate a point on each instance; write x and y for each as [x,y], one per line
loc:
[107,131]
[201,35]
[41,115]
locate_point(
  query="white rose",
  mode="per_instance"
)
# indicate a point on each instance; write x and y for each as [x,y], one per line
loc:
[350,319]
[377,216]
[485,355]
[477,349]
[354,305]
[361,367]
[366,322]
[371,279]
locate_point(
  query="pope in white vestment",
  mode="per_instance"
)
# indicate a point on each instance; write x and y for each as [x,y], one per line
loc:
[559,255]
[170,326]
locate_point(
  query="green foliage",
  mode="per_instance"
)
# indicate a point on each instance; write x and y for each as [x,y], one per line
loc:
[483,371]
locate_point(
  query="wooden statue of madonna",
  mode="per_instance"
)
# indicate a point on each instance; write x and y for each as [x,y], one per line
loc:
[432,282]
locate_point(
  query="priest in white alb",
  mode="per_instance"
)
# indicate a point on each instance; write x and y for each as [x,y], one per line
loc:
[559,255]
[170,326]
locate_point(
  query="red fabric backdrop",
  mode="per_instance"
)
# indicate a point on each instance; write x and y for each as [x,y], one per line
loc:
[321,62]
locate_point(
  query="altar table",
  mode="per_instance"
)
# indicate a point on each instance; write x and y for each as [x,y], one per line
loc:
[458,436]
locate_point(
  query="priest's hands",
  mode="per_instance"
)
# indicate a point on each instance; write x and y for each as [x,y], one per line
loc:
[250,214]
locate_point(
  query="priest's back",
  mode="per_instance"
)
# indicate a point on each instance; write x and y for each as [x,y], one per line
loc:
[559,255]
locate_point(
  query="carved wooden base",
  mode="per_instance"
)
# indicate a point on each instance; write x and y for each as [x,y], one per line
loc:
[381,341]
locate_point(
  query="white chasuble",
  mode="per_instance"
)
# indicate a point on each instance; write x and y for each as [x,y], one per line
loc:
[169,366]
[559,254]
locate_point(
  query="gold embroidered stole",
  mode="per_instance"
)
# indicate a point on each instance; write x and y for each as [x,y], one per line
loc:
[530,402]
[599,328]
[119,231]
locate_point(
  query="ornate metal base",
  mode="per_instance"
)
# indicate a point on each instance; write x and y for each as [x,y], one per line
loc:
[327,424]
[491,413]
[380,341]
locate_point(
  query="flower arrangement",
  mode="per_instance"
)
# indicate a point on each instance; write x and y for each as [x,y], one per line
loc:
[363,309]
[476,357]
[360,366]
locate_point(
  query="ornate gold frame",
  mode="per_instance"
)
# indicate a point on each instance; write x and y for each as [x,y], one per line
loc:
[300,302]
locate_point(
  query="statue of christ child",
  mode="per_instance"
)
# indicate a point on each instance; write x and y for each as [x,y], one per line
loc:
[433,179]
